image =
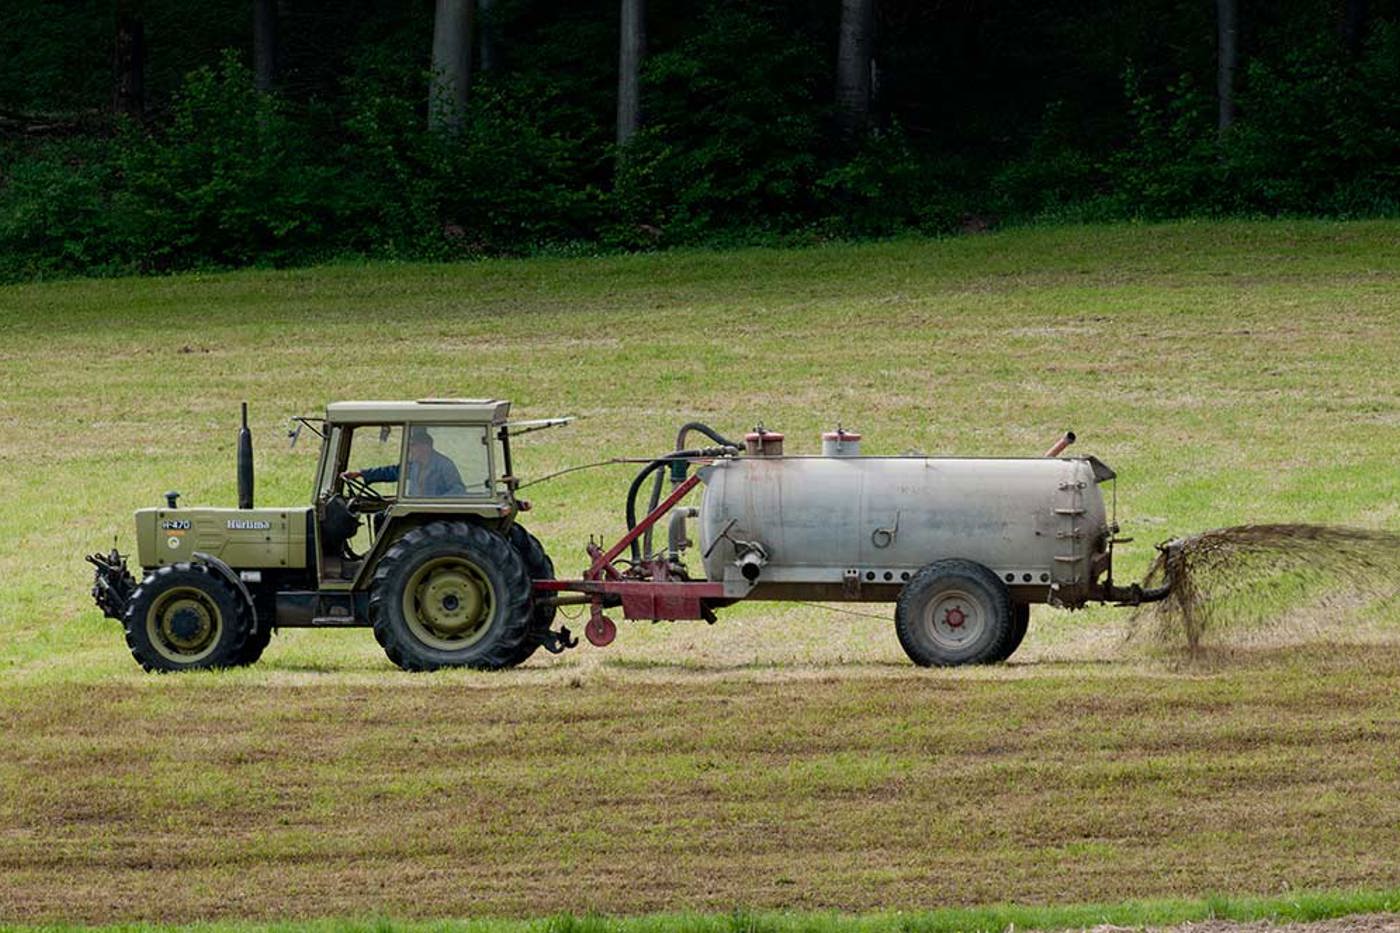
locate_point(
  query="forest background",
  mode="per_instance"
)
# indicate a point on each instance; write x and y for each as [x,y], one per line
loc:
[157,135]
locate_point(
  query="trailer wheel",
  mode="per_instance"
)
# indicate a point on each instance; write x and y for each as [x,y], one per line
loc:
[539,567]
[450,594]
[954,612]
[183,617]
[1020,622]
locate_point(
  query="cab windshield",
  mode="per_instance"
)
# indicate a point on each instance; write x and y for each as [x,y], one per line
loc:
[422,461]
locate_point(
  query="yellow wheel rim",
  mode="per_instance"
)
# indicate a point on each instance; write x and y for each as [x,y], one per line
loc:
[184,624]
[449,603]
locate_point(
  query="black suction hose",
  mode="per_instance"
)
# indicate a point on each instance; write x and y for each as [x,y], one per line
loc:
[636,486]
[706,430]
[660,480]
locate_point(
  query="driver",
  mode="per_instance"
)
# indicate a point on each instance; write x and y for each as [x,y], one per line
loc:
[430,473]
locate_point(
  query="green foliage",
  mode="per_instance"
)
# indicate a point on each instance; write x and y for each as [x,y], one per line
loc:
[733,131]
[1322,133]
[53,211]
[888,186]
[981,116]
[231,180]
[507,185]
[1055,175]
[503,185]
[1172,167]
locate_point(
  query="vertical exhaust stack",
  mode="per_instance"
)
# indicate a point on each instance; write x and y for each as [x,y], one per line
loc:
[245,463]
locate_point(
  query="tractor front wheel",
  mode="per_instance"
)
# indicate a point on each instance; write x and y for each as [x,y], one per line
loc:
[256,644]
[186,617]
[451,594]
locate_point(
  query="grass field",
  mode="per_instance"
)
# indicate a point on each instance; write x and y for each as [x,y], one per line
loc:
[789,757]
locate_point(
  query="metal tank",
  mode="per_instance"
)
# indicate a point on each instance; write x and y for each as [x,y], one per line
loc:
[858,528]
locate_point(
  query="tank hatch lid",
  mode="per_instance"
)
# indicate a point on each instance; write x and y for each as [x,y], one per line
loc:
[1102,471]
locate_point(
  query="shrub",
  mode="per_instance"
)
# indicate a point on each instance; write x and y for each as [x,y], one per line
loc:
[1321,132]
[54,216]
[732,131]
[887,187]
[1171,167]
[231,181]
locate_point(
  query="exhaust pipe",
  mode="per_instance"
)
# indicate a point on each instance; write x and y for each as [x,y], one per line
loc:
[1058,447]
[245,463]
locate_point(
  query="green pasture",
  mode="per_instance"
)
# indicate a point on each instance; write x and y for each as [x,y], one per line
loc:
[787,758]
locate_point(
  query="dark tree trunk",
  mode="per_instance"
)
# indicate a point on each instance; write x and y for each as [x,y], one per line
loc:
[452,65]
[1355,14]
[853,60]
[1227,50]
[264,44]
[631,49]
[129,65]
[486,28]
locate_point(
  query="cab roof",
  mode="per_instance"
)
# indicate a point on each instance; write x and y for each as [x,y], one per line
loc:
[424,410]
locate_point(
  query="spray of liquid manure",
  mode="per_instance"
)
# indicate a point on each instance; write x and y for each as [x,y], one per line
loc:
[1230,582]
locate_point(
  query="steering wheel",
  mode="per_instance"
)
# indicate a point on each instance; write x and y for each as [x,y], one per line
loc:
[361,490]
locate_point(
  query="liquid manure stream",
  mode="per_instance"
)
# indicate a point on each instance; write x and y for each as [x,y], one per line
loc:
[1230,581]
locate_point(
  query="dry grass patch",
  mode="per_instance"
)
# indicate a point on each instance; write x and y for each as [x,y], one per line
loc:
[198,797]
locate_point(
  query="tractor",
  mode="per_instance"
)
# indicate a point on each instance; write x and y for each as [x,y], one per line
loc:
[434,560]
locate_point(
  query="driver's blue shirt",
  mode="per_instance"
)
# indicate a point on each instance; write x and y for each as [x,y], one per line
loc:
[439,477]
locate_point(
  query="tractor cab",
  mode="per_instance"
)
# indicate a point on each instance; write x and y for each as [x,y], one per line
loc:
[386,466]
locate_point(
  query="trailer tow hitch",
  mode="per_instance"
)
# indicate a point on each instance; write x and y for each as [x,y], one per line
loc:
[558,642]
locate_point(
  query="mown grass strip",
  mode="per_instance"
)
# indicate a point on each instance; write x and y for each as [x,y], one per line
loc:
[1299,907]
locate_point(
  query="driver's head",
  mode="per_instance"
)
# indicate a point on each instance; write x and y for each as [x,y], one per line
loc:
[420,444]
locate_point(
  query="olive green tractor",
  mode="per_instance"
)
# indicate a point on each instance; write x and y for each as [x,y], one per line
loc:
[433,560]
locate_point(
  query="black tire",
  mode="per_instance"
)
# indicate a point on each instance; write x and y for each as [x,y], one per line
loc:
[186,617]
[1020,621]
[256,644]
[450,594]
[539,567]
[975,623]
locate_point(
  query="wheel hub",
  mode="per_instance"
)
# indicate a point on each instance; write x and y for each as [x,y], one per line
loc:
[955,619]
[183,625]
[449,603]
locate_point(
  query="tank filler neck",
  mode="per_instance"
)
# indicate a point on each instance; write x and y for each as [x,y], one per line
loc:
[761,442]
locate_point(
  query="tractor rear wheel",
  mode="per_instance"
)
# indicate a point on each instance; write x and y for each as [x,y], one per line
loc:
[539,567]
[954,612]
[186,617]
[451,594]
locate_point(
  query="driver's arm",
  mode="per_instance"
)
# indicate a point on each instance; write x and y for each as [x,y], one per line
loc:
[379,474]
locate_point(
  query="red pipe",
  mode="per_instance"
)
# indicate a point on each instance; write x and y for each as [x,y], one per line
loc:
[1058,447]
[604,560]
